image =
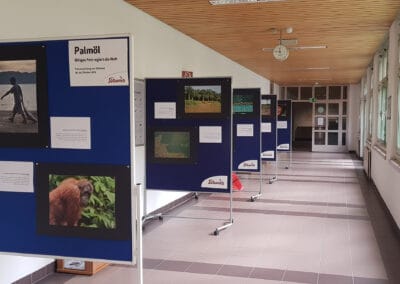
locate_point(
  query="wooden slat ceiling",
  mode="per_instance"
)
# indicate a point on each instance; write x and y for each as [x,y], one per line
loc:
[353,30]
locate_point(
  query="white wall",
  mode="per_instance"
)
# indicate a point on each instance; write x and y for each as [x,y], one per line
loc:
[159,51]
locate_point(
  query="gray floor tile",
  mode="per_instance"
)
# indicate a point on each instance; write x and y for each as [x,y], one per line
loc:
[360,280]
[334,279]
[267,274]
[150,263]
[204,268]
[301,277]
[234,270]
[173,265]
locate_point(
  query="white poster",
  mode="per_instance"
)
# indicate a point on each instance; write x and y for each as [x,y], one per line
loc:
[320,121]
[266,127]
[16,176]
[283,147]
[210,134]
[70,132]
[245,130]
[248,165]
[215,182]
[268,154]
[281,124]
[98,62]
[164,110]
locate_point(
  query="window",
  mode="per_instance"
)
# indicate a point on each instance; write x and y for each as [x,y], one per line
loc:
[292,93]
[398,118]
[382,97]
[370,103]
[398,105]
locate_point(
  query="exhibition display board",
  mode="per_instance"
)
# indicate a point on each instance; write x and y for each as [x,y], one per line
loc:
[268,127]
[284,125]
[66,154]
[246,130]
[188,134]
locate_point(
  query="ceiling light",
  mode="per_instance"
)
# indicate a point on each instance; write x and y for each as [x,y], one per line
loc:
[289,41]
[228,2]
[307,69]
[308,47]
[318,68]
[297,47]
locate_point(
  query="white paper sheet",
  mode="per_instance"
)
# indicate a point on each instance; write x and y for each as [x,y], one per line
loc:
[98,62]
[70,132]
[266,127]
[164,110]
[16,176]
[245,130]
[210,134]
[320,121]
[281,124]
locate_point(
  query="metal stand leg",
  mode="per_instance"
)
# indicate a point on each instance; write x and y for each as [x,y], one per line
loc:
[152,217]
[223,227]
[230,222]
[259,194]
[159,216]
[272,179]
[147,217]
[138,251]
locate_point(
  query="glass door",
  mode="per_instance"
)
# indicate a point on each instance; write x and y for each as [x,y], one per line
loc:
[330,119]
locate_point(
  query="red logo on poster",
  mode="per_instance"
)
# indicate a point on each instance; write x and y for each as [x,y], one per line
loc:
[187,74]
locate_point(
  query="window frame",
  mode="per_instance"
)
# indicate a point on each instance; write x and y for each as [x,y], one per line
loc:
[397,107]
[381,118]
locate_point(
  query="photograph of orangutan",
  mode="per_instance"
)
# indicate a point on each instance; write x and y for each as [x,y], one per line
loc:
[82,201]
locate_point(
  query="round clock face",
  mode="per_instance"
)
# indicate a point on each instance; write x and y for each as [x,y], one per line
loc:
[280,52]
[321,109]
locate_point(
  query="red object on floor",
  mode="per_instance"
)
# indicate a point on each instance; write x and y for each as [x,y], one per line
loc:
[236,184]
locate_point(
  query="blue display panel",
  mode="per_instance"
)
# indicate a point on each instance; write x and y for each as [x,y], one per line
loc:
[284,125]
[104,169]
[268,129]
[188,134]
[246,130]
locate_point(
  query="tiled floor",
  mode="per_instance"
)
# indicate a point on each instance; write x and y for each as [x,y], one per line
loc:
[310,226]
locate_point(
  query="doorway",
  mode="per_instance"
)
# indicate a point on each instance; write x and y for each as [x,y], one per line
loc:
[302,126]
[330,119]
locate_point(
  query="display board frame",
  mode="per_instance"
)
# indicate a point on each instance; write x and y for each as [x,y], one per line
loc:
[269,130]
[247,146]
[210,170]
[61,96]
[284,126]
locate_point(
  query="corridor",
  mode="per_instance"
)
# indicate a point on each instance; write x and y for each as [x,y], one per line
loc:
[321,223]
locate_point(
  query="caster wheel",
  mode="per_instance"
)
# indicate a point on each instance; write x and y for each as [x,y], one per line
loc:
[216,233]
[160,218]
[196,197]
[252,199]
[270,182]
